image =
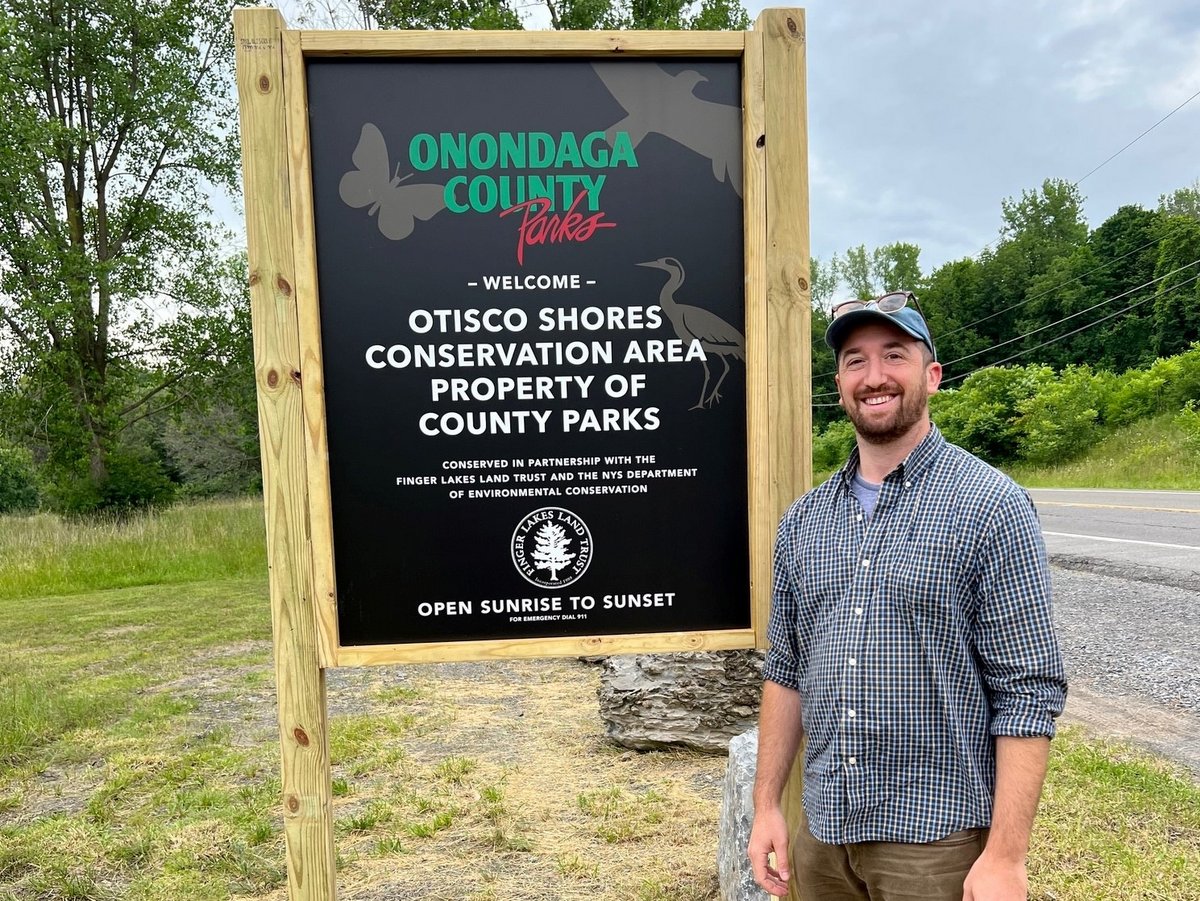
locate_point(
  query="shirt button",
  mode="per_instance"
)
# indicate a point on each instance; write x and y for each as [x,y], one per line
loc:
[866,563]
[852,761]
[858,611]
[858,516]
[853,662]
[850,713]
[908,484]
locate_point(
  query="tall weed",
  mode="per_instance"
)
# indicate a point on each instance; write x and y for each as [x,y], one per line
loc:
[50,555]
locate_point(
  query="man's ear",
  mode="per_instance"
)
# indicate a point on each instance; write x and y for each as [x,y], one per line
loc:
[837,380]
[933,377]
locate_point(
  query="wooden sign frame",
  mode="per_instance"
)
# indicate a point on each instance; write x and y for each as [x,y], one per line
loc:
[283,287]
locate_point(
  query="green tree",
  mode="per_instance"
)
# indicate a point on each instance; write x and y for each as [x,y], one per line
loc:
[895,267]
[18,484]
[823,281]
[1091,283]
[118,116]
[1125,247]
[1043,224]
[1175,308]
[1062,420]
[855,271]
[1181,201]
[441,14]
[949,300]
[1038,229]
[577,15]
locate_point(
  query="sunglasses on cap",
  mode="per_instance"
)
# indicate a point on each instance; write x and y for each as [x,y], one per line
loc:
[892,302]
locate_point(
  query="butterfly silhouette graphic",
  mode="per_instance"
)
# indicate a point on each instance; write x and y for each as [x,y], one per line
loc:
[372,184]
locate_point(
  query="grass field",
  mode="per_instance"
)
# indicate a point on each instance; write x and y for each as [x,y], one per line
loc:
[139,754]
[1149,454]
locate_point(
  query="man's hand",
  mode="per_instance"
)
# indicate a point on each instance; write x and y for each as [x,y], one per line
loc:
[769,835]
[995,879]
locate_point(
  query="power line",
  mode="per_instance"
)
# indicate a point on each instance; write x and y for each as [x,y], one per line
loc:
[1082,328]
[1073,315]
[1040,294]
[1095,169]
[1142,135]
[1137,303]
[1070,281]
[1076,184]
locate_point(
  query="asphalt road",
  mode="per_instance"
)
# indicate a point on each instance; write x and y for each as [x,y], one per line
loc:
[1127,605]
[1139,528]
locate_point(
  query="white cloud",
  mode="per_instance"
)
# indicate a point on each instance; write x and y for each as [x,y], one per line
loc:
[924,115]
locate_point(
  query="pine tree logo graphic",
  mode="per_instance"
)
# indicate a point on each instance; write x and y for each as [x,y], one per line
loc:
[552,543]
[551,547]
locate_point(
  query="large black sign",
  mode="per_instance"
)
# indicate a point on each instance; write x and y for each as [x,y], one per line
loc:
[532,328]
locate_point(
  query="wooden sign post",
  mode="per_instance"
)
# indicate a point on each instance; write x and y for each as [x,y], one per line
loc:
[531,334]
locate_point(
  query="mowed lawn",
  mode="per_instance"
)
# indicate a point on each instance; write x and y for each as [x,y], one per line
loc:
[139,753]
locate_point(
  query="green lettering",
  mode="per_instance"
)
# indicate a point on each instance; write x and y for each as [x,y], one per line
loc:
[593,186]
[623,151]
[568,151]
[483,151]
[452,202]
[595,150]
[541,150]
[454,150]
[482,194]
[541,187]
[512,150]
[422,152]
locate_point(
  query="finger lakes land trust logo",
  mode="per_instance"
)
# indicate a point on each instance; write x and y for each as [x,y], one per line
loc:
[551,547]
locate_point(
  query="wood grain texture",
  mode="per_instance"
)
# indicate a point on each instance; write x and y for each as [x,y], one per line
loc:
[789,297]
[307,807]
[579,646]
[758,431]
[316,445]
[522,43]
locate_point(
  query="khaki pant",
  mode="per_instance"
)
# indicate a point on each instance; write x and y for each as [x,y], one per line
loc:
[884,871]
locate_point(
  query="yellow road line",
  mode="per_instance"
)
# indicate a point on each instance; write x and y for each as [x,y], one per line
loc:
[1115,506]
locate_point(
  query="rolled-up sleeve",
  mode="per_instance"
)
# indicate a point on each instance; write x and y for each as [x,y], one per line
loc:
[781,662]
[1020,659]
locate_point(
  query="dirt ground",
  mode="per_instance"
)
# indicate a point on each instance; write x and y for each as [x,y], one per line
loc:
[578,817]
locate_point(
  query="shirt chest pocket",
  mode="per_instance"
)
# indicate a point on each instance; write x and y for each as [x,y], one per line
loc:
[929,573]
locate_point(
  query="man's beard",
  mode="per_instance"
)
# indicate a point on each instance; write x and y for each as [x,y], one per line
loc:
[910,412]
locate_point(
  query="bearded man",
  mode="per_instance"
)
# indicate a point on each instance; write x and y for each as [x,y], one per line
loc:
[912,646]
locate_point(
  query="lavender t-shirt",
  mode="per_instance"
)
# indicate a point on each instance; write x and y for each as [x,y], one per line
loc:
[866,492]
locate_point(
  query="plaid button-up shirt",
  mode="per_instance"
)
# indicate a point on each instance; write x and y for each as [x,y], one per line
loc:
[914,637]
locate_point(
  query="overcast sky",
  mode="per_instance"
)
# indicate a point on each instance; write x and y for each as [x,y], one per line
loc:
[925,114]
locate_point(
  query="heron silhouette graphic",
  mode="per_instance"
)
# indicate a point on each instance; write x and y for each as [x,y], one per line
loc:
[716,336]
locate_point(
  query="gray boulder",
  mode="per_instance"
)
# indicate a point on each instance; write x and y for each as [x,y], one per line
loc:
[689,700]
[737,816]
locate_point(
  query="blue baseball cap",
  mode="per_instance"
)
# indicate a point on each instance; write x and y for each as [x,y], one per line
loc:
[907,319]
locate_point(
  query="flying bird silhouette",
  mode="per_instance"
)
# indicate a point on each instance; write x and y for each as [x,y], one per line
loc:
[665,104]
[716,336]
[372,184]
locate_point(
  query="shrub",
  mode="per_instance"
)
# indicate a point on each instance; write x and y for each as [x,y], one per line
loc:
[832,446]
[18,484]
[984,414]
[1188,419]
[1168,384]
[1063,419]
[136,479]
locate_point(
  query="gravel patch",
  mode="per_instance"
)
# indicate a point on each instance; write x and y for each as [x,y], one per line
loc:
[1128,637]
[1134,643]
